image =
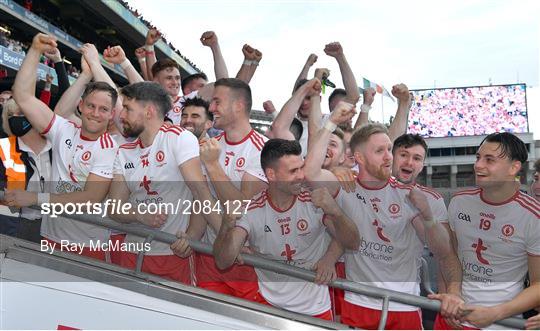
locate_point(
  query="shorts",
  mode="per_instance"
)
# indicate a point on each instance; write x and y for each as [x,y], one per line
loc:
[166,266]
[87,252]
[238,280]
[327,315]
[337,295]
[367,318]
[440,324]
[116,241]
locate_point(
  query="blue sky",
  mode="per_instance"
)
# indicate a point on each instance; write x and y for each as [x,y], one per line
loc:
[420,43]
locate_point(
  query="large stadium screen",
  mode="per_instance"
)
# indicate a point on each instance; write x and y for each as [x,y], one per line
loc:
[469,111]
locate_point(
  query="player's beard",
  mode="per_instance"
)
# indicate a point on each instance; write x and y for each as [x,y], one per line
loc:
[133,131]
[379,172]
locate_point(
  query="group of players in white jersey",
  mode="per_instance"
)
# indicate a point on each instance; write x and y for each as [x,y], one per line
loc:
[352,201]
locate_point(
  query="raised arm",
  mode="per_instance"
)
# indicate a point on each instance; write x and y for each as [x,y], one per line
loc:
[369,97]
[91,56]
[140,53]
[349,82]
[116,55]
[280,126]
[67,105]
[152,37]
[315,175]
[210,39]
[312,58]
[315,113]
[249,66]
[24,87]
[399,124]
[60,68]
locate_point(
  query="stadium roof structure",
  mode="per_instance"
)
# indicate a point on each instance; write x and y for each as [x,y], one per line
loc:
[74,22]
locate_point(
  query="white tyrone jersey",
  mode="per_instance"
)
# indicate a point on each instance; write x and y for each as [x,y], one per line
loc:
[493,243]
[153,177]
[296,236]
[74,158]
[175,114]
[237,159]
[390,251]
[436,203]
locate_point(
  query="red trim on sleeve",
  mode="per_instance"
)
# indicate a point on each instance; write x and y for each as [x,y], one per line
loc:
[48,128]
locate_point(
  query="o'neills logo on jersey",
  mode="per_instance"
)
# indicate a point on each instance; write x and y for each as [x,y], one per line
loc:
[284,220]
[129,165]
[380,232]
[240,162]
[490,215]
[479,248]
[86,156]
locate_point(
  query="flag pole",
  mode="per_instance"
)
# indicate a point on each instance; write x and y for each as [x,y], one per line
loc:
[382,107]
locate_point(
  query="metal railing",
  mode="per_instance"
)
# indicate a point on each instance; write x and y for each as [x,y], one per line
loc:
[275,266]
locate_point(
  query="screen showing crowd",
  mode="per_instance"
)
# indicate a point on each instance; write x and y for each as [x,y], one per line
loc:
[469,111]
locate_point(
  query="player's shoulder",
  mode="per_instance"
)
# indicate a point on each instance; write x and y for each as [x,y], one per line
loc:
[465,194]
[259,201]
[304,196]
[106,142]
[257,140]
[430,192]
[171,129]
[528,203]
[131,145]
[399,186]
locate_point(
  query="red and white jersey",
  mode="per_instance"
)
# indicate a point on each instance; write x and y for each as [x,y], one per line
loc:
[436,203]
[237,159]
[296,236]
[75,157]
[390,251]
[175,114]
[153,178]
[493,243]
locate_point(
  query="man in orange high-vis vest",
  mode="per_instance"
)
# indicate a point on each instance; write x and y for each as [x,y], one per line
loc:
[25,165]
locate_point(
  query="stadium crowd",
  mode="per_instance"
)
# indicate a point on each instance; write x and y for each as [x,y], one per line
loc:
[469,112]
[318,191]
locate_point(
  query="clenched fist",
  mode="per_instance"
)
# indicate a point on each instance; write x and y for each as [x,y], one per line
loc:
[333,49]
[312,58]
[114,55]
[249,52]
[209,151]
[342,113]
[268,107]
[369,96]
[321,198]
[321,73]
[44,43]
[209,39]
[401,92]
[312,87]
[152,37]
